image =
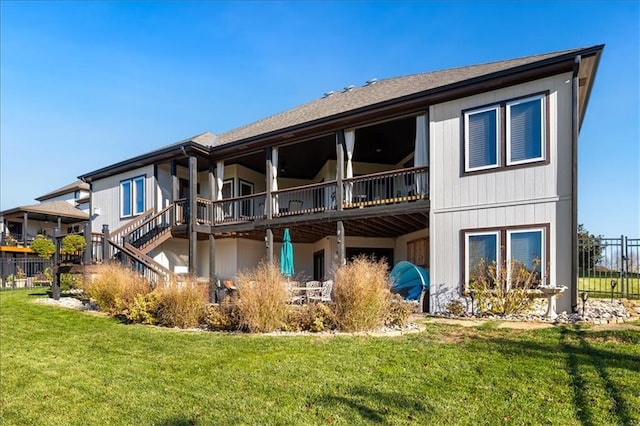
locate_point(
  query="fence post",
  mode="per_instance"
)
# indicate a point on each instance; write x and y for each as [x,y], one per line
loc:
[105,243]
[622,263]
[55,287]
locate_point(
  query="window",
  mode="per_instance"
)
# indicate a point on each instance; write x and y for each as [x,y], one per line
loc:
[481,252]
[227,192]
[525,130]
[481,128]
[507,134]
[525,250]
[132,197]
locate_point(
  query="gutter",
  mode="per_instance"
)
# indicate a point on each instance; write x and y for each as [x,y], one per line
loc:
[575,128]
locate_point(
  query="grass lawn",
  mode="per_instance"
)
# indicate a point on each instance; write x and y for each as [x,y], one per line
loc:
[601,286]
[65,367]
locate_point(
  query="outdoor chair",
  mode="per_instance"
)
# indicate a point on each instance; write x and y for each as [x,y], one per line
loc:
[325,293]
[293,293]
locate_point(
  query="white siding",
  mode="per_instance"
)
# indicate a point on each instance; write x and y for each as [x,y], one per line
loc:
[106,197]
[540,194]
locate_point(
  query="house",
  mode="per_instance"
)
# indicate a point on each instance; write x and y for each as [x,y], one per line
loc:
[66,209]
[442,169]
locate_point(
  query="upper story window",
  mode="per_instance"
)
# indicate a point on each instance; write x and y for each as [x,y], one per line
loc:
[506,134]
[132,197]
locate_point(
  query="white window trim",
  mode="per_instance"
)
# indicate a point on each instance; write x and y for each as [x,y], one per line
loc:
[543,249]
[543,124]
[132,196]
[495,108]
[467,266]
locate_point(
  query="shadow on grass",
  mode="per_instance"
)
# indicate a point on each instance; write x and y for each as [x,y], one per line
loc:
[619,406]
[580,355]
[374,406]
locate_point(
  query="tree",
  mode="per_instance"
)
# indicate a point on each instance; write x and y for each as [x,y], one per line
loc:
[43,247]
[590,248]
[73,243]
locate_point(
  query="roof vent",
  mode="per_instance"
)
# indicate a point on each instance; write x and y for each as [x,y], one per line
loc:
[371,82]
[327,94]
[349,88]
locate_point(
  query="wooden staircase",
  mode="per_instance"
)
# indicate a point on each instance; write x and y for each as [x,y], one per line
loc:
[137,238]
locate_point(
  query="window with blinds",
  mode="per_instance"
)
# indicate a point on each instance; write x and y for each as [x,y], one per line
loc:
[507,134]
[525,130]
[525,250]
[481,129]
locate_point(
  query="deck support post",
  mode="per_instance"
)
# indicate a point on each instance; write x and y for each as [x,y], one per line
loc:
[342,252]
[193,214]
[105,243]
[55,286]
[213,279]
[269,243]
[88,251]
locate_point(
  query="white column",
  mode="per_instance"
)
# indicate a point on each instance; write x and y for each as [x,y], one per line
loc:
[349,142]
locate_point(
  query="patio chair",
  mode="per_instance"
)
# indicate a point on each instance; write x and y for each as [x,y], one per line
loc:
[293,292]
[325,293]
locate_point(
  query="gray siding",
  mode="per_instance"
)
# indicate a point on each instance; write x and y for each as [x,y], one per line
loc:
[539,194]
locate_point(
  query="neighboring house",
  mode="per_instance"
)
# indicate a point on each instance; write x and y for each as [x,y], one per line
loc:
[442,169]
[65,208]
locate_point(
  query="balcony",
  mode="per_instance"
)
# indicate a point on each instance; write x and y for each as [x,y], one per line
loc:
[392,189]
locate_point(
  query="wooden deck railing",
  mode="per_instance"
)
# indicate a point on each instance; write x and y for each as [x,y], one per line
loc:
[393,187]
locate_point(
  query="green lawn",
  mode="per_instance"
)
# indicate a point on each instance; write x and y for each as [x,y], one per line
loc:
[65,367]
[601,286]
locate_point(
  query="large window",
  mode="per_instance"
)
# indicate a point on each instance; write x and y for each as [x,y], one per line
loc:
[506,134]
[510,250]
[132,197]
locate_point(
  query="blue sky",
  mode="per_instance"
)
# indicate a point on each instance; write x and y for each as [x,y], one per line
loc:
[87,84]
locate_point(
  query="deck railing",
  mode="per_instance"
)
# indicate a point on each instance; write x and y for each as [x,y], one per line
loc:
[393,187]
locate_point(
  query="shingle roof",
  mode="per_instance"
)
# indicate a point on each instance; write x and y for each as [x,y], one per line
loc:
[51,208]
[381,91]
[75,186]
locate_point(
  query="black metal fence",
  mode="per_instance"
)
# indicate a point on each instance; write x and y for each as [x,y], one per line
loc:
[25,272]
[609,267]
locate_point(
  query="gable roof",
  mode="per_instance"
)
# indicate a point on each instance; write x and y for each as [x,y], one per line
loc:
[72,187]
[386,92]
[382,91]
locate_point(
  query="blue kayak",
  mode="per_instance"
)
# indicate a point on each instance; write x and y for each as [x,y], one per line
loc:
[409,280]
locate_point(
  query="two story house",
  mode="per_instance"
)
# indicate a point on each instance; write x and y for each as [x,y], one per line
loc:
[443,169]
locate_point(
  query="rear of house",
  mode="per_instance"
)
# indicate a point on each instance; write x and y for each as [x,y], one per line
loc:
[443,169]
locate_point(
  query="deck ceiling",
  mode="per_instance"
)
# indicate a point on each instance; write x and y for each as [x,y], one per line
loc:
[390,226]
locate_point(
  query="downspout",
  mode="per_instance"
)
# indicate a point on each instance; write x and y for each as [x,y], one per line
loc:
[575,127]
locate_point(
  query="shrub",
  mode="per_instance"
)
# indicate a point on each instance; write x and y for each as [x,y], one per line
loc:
[114,288]
[224,316]
[455,307]
[69,281]
[398,312]
[73,243]
[262,302]
[314,317]
[43,247]
[182,305]
[143,309]
[499,293]
[361,294]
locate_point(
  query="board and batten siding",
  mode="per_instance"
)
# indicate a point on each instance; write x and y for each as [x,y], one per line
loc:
[540,194]
[106,197]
